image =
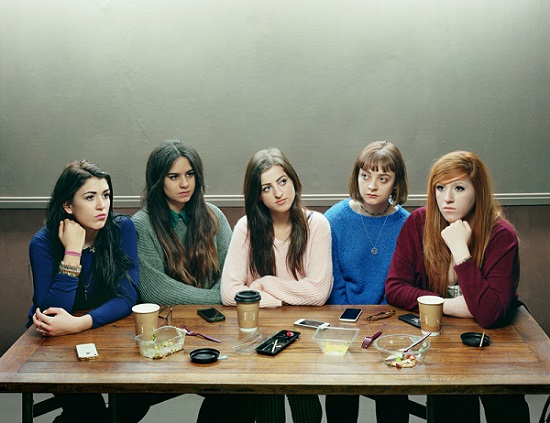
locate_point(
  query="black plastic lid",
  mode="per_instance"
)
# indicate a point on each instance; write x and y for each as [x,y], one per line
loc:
[472,339]
[249,296]
[204,355]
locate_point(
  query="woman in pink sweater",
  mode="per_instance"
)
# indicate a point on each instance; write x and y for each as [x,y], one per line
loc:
[283,251]
[279,248]
[461,247]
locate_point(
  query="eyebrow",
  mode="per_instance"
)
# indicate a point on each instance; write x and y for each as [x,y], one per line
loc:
[277,180]
[453,182]
[178,173]
[95,192]
[380,174]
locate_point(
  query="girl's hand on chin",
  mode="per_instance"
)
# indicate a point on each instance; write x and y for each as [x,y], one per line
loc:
[71,235]
[457,236]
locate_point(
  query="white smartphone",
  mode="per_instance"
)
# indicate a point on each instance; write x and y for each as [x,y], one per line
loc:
[350,314]
[86,352]
[308,323]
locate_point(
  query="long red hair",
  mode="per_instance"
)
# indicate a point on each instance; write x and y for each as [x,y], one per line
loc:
[485,213]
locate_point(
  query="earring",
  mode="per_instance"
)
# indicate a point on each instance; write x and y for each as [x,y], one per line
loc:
[392,197]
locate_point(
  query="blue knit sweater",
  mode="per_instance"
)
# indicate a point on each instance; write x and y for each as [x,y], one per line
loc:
[53,289]
[360,276]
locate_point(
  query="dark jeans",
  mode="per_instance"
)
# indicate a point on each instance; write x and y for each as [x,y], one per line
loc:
[90,408]
[465,408]
[304,408]
[83,408]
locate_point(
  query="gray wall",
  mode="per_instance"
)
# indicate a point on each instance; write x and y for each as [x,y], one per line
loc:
[107,80]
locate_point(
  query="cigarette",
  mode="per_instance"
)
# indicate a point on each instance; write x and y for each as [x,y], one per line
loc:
[482,338]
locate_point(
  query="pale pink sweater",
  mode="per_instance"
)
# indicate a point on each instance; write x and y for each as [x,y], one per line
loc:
[313,289]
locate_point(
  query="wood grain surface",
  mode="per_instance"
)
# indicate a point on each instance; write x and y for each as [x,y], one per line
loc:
[517,361]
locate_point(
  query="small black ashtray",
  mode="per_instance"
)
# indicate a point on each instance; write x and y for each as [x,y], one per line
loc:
[204,355]
[473,339]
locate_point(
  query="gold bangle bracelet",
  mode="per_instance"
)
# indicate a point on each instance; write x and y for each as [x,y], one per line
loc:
[69,273]
[67,269]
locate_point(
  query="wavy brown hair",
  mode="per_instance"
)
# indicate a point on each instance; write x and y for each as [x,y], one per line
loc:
[387,157]
[260,226]
[485,214]
[195,260]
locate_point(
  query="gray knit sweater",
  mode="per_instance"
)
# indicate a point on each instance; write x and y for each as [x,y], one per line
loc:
[157,287]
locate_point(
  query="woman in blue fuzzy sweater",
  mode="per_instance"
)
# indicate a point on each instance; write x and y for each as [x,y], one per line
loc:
[364,232]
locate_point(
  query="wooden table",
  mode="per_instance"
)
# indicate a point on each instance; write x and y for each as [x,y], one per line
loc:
[517,361]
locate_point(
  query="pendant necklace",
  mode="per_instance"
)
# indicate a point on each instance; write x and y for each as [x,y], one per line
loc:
[86,286]
[374,250]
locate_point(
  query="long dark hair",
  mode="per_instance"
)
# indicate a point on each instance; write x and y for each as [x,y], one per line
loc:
[110,263]
[260,226]
[195,261]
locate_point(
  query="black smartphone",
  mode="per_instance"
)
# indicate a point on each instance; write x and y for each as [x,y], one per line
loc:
[350,314]
[411,319]
[211,314]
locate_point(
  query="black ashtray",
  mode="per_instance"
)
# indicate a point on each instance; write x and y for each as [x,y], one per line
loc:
[204,355]
[473,339]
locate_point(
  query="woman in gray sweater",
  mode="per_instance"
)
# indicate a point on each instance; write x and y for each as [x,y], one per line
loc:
[182,239]
[182,244]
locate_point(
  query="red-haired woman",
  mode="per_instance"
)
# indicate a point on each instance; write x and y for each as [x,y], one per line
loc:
[461,247]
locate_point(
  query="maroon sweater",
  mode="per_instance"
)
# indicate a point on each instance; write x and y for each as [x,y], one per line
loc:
[490,293]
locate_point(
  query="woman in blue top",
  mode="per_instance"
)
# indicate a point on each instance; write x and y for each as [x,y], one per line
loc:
[84,258]
[364,231]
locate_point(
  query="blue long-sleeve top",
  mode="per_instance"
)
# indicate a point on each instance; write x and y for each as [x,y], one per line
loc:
[360,276]
[53,289]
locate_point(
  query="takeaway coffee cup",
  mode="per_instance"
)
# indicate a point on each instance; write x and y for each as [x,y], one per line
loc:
[145,317]
[431,314]
[248,308]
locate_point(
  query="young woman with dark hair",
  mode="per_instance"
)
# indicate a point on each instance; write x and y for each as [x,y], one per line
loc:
[182,239]
[182,244]
[461,247]
[282,250]
[364,230]
[84,258]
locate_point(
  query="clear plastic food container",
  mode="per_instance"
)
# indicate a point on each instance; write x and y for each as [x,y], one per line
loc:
[334,340]
[161,342]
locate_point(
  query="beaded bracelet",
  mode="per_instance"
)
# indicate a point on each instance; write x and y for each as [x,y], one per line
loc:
[463,261]
[67,269]
[73,253]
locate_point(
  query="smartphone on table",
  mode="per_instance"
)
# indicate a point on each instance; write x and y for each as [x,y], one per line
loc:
[308,323]
[411,319]
[350,315]
[86,352]
[211,314]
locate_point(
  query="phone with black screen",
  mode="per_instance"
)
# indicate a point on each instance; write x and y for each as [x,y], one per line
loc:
[211,314]
[411,319]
